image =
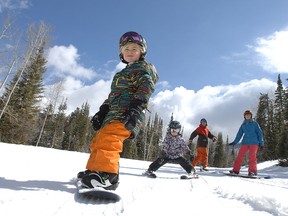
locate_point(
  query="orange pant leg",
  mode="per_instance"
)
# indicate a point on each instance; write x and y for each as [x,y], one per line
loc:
[201,157]
[106,146]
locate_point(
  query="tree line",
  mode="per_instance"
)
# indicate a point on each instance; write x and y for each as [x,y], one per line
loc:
[23,120]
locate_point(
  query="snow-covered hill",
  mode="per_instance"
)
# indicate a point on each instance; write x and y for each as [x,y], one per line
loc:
[41,181]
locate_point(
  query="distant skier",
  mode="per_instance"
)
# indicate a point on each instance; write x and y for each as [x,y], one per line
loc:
[203,134]
[172,149]
[252,139]
[122,113]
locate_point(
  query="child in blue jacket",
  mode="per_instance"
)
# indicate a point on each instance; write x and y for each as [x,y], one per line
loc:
[252,140]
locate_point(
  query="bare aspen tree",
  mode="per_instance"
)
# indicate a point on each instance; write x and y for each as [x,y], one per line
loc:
[36,38]
[53,97]
[8,50]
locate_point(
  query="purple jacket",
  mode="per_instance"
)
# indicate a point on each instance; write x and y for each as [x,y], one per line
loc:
[174,147]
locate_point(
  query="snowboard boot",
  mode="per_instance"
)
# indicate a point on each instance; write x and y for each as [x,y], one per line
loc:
[233,172]
[82,173]
[108,181]
[252,174]
[205,169]
[193,170]
[150,174]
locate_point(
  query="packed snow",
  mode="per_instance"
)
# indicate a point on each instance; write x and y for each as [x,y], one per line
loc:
[41,181]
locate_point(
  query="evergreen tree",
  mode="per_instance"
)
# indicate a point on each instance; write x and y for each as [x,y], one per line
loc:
[219,156]
[77,129]
[279,117]
[265,118]
[59,120]
[283,140]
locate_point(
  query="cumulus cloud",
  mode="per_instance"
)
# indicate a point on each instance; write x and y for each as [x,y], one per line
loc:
[273,52]
[77,93]
[94,94]
[65,61]
[222,106]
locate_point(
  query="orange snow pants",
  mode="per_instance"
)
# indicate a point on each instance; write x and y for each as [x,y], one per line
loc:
[106,146]
[201,157]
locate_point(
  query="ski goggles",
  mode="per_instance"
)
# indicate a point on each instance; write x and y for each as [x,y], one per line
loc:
[175,130]
[131,37]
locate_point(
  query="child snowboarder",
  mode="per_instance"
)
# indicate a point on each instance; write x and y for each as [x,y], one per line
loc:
[252,139]
[172,150]
[203,134]
[121,115]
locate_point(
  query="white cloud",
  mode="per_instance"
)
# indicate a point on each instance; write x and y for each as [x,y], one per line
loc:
[65,61]
[273,52]
[13,4]
[78,94]
[163,85]
[222,106]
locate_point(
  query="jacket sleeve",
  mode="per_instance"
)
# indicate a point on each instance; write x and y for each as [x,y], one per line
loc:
[193,135]
[164,145]
[259,134]
[239,135]
[210,135]
[185,147]
[145,85]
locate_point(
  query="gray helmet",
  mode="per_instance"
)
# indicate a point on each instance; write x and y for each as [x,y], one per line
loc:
[175,125]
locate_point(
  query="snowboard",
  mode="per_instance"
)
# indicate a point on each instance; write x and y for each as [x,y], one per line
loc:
[97,193]
[246,176]
[195,176]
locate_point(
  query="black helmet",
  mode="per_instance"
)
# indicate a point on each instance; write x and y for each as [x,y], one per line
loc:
[175,125]
[133,37]
[203,120]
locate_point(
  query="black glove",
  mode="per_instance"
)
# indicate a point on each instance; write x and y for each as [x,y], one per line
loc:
[131,116]
[99,117]
[231,144]
[261,147]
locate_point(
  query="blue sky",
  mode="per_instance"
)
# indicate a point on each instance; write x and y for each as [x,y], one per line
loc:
[213,57]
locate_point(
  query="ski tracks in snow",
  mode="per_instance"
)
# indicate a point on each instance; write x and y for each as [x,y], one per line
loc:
[248,195]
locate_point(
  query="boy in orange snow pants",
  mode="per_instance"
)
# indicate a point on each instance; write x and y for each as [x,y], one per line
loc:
[202,143]
[122,113]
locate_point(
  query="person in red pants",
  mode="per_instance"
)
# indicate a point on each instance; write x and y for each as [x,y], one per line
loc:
[203,134]
[252,140]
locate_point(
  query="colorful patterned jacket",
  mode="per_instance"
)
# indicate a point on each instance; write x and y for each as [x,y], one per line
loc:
[136,82]
[173,147]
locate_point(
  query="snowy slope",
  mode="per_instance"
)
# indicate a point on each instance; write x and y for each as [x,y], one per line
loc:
[41,181]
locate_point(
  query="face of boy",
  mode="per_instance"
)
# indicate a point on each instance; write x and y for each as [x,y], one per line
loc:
[131,52]
[174,132]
